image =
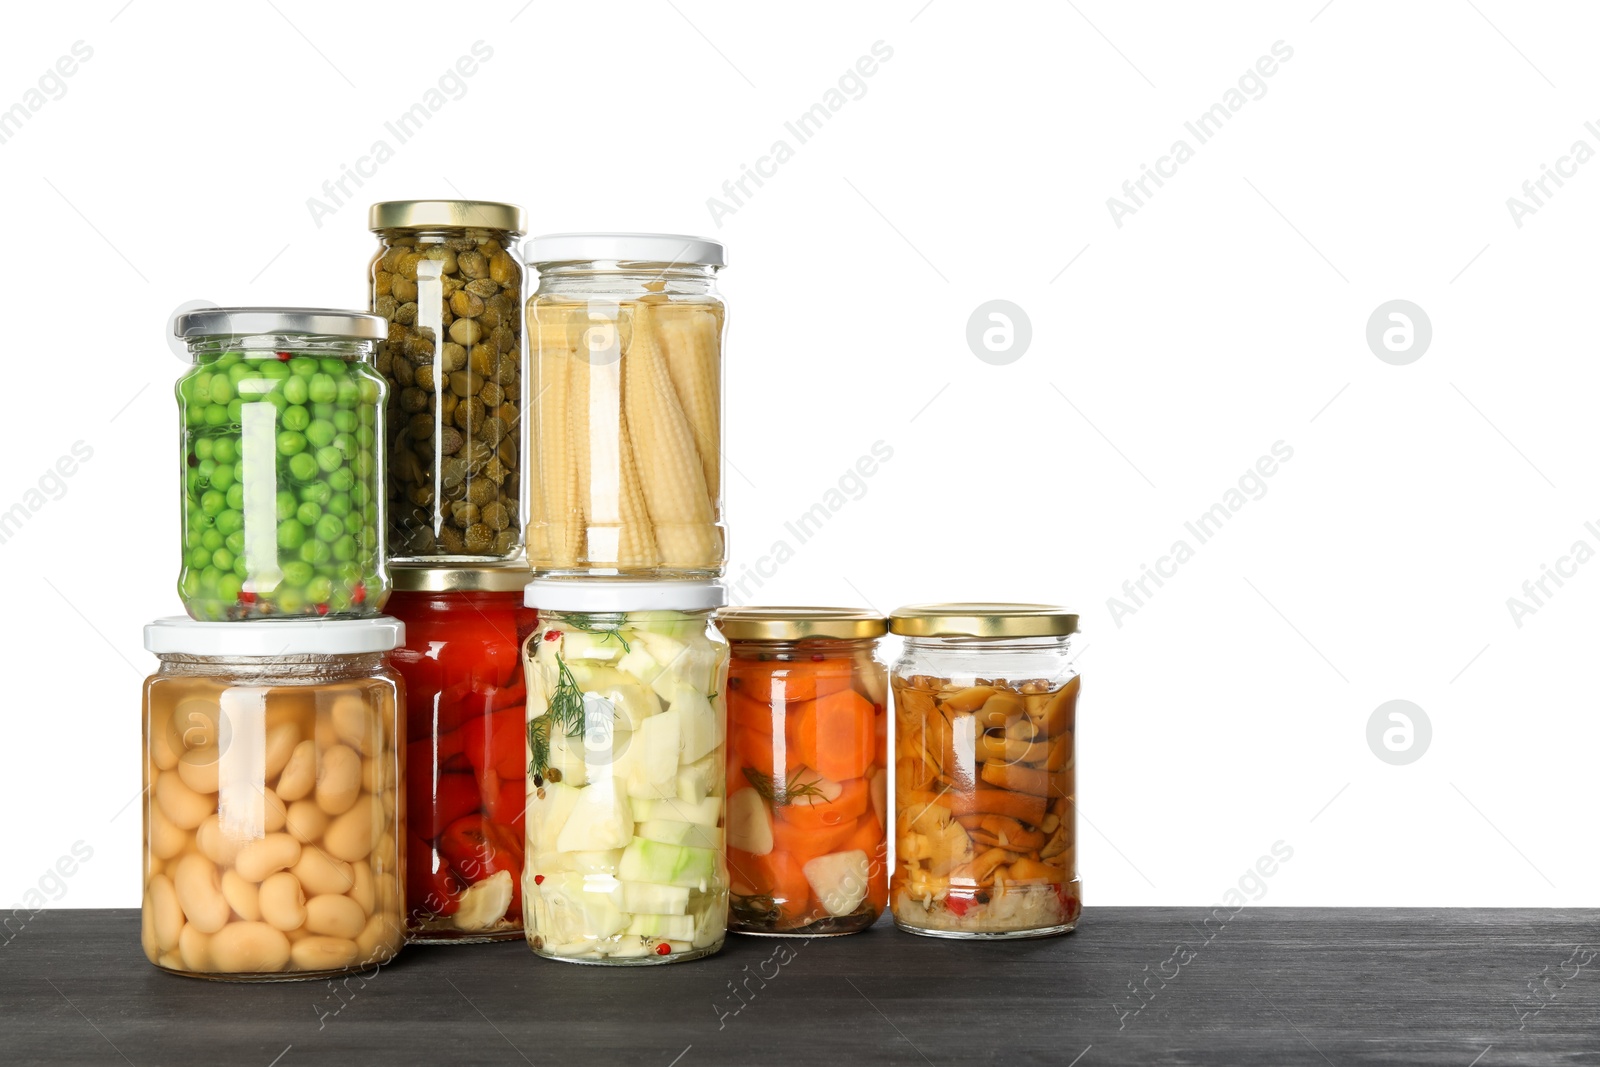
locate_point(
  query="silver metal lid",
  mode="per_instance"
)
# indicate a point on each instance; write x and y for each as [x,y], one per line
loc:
[446,215]
[672,249]
[206,323]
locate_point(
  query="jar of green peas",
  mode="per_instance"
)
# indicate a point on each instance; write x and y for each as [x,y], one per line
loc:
[282,463]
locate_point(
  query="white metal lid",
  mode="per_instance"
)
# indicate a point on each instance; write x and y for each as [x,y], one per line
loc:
[670,248]
[181,635]
[621,595]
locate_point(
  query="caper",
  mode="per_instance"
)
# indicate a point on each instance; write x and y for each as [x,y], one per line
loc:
[477,538]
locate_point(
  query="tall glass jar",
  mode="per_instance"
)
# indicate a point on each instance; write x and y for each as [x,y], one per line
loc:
[449,283]
[466,764]
[625,344]
[985,698]
[807,770]
[626,751]
[281,464]
[273,804]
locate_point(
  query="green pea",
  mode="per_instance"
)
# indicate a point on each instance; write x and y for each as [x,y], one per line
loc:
[234,543]
[320,433]
[303,366]
[323,389]
[318,590]
[324,411]
[295,390]
[317,492]
[278,401]
[291,601]
[308,514]
[202,385]
[303,467]
[212,501]
[222,558]
[369,390]
[359,493]
[350,573]
[228,359]
[286,504]
[225,450]
[315,552]
[291,443]
[186,390]
[206,468]
[241,566]
[221,389]
[230,521]
[228,587]
[211,539]
[190,586]
[348,391]
[215,415]
[191,536]
[297,572]
[361,463]
[339,504]
[238,372]
[346,444]
[344,421]
[342,479]
[296,418]
[223,476]
[205,447]
[235,411]
[329,527]
[291,534]
[365,437]
[275,369]
[198,556]
[344,548]
[329,459]
[236,496]
[353,522]
[367,415]
[208,579]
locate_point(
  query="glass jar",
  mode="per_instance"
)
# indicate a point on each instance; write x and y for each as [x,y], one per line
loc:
[625,349]
[626,741]
[448,281]
[273,809]
[281,466]
[466,767]
[807,779]
[985,820]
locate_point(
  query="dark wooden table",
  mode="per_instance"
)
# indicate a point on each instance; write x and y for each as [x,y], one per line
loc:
[1268,986]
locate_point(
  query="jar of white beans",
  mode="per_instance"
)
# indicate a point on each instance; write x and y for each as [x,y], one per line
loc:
[272,805]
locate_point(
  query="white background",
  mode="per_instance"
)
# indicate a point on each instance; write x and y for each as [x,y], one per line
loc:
[1227,314]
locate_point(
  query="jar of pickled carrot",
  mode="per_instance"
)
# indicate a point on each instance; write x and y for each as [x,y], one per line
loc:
[985,820]
[807,770]
[466,759]
[625,361]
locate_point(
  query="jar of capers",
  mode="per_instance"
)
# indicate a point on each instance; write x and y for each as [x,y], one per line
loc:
[448,280]
[282,463]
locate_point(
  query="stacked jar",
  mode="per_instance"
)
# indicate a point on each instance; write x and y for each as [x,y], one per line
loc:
[273,809]
[626,671]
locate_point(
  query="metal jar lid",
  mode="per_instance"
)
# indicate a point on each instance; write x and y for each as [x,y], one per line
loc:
[459,578]
[234,323]
[672,249]
[982,620]
[446,215]
[799,624]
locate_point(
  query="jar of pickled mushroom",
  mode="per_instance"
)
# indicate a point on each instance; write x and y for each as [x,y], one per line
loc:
[466,763]
[626,742]
[448,282]
[985,823]
[273,810]
[282,464]
[807,778]
[625,349]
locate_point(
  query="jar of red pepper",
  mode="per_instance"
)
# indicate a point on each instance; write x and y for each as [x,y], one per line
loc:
[466,764]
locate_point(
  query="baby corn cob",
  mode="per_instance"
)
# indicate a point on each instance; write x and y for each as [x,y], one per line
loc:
[576,512]
[669,466]
[638,543]
[547,534]
[690,335]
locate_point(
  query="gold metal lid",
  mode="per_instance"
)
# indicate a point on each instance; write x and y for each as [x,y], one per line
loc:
[459,577]
[446,214]
[982,620]
[798,624]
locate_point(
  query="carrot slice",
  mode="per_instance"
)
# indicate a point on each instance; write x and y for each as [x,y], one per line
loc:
[800,728]
[791,680]
[1019,806]
[754,750]
[844,744]
[842,810]
[745,713]
[808,842]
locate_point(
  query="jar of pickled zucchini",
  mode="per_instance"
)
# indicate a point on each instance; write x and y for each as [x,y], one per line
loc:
[281,464]
[807,770]
[625,348]
[448,282]
[466,763]
[985,697]
[273,810]
[626,742]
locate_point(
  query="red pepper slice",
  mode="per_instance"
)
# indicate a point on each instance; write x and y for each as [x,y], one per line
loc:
[497,742]
[478,848]
[506,803]
[435,800]
[431,887]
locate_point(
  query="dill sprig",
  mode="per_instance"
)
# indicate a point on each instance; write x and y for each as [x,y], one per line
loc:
[787,793]
[588,624]
[565,711]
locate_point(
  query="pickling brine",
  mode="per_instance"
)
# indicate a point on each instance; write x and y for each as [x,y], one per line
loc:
[626,748]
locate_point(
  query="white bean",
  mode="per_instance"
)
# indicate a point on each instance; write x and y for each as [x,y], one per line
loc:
[195,948]
[274,813]
[339,780]
[380,939]
[324,954]
[165,911]
[200,893]
[270,854]
[216,844]
[299,775]
[283,902]
[243,897]
[377,772]
[325,733]
[365,891]
[281,742]
[172,961]
[166,839]
[147,930]
[305,821]
[350,837]
[249,946]
[355,723]
[186,808]
[321,873]
[198,768]
[164,744]
[335,916]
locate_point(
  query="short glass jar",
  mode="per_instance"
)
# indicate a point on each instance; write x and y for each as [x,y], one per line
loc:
[448,281]
[281,463]
[625,352]
[272,804]
[466,758]
[626,735]
[985,698]
[807,770]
